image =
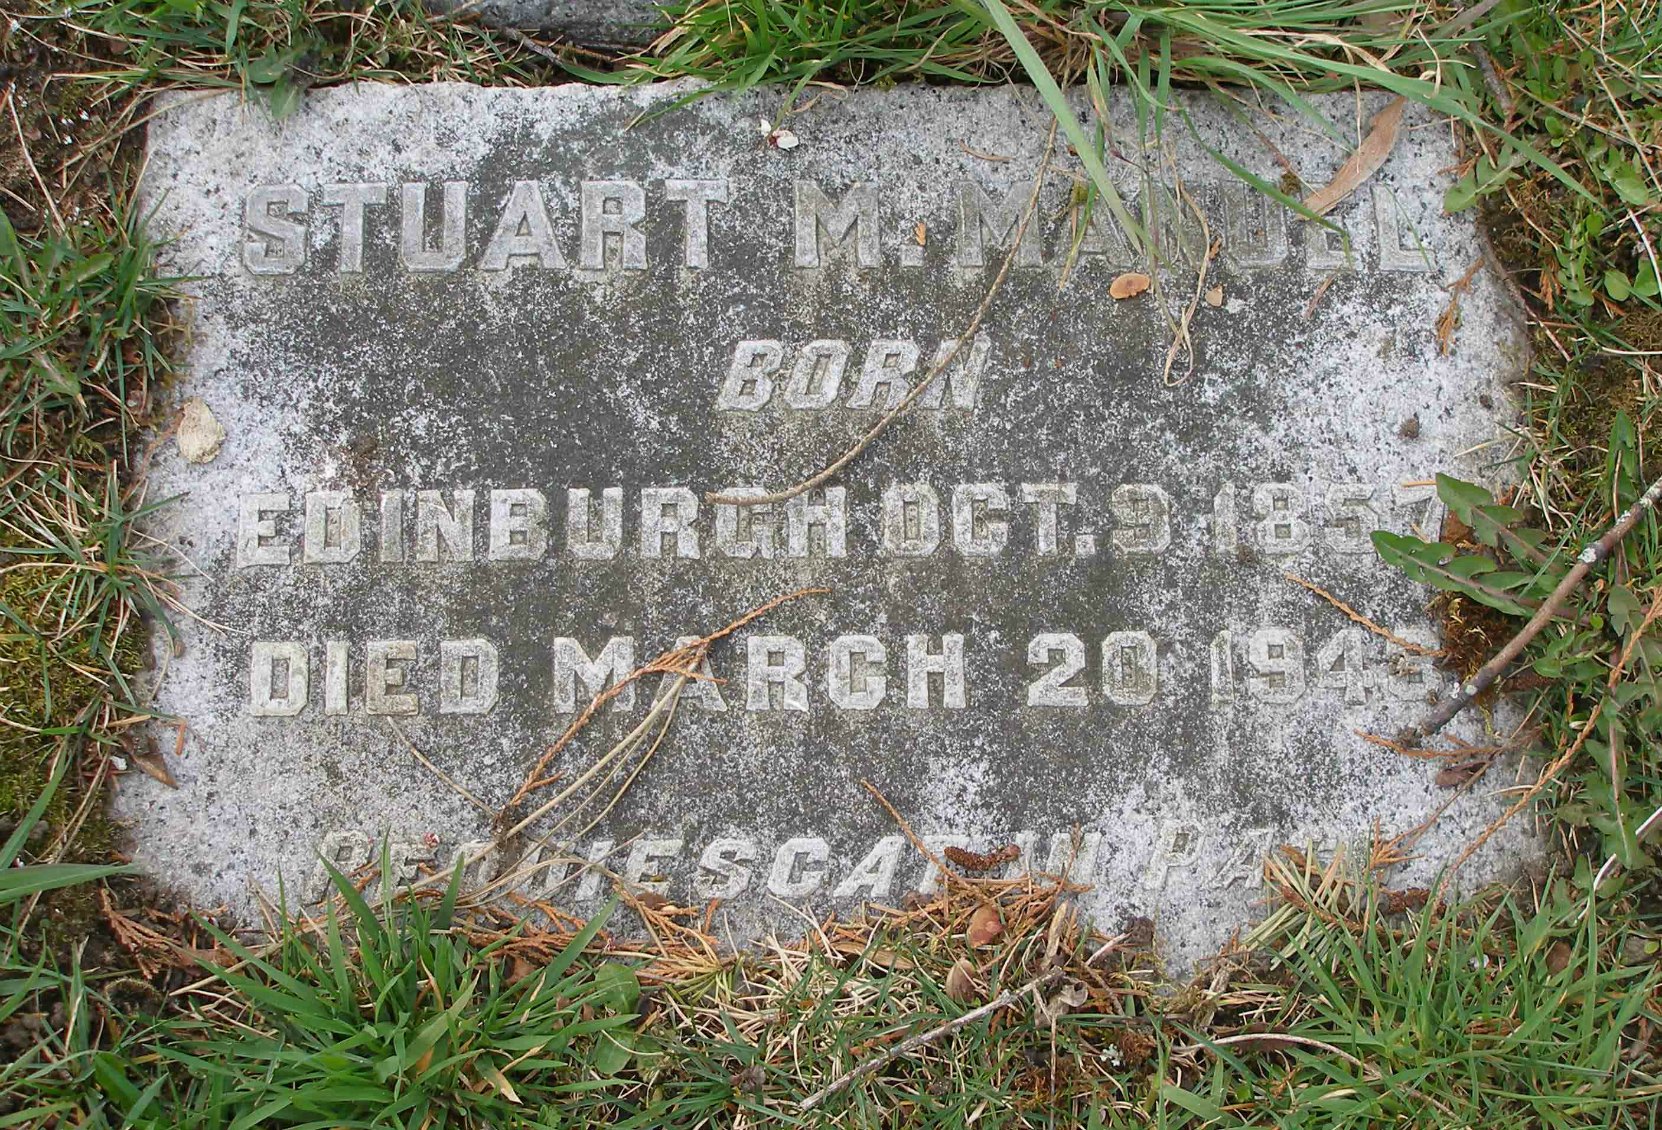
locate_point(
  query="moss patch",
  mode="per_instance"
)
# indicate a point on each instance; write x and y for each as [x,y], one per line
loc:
[51,686]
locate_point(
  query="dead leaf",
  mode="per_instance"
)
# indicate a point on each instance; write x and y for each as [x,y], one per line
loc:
[985,926]
[1063,929]
[1404,901]
[199,435]
[882,957]
[1139,932]
[499,1081]
[1454,531]
[1362,164]
[1070,996]
[1265,1042]
[960,981]
[153,766]
[1128,285]
[921,233]
[1134,1047]
[1214,296]
[1558,957]
[1453,776]
[888,959]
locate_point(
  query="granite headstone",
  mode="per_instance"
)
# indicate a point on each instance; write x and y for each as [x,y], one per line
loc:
[481,357]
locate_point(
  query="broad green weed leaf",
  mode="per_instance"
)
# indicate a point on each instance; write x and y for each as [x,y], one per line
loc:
[612,1052]
[1622,607]
[1461,497]
[1462,195]
[616,987]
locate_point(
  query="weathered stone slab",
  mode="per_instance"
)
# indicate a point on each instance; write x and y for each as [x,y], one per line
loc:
[621,23]
[480,354]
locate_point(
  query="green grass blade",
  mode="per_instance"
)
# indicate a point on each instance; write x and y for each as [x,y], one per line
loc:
[1065,117]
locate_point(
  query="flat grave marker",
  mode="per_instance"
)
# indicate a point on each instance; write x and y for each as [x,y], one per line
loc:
[482,358]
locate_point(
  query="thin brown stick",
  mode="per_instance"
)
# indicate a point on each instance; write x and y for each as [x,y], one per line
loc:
[922,1039]
[1595,553]
[1181,341]
[460,790]
[1321,292]
[1450,317]
[682,661]
[1271,1039]
[1551,772]
[23,149]
[1458,752]
[949,877]
[929,378]
[1378,630]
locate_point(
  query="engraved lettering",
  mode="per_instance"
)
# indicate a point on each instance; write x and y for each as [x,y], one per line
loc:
[773,679]
[823,227]
[856,676]
[818,529]
[667,517]
[911,519]
[921,663]
[592,538]
[352,200]
[467,676]
[444,532]
[277,679]
[982,221]
[332,535]
[979,528]
[749,383]
[523,232]
[696,196]
[386,674]
[519,525]
[257,542]
[276,243]
[572,664]
[413,247]
[611,209]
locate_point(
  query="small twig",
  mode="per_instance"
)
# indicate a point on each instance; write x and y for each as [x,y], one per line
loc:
[929,378]
[1460,751]
[1321,292]
[1613,864]
[1450,317]
[1591,556]
[949,877]
[1587,728]
[922,1039]
[1492,79]
[440,773]
[547,53]
[23,148]
[1407,645]
[682,661]
[1650,248]
[1271,1039]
